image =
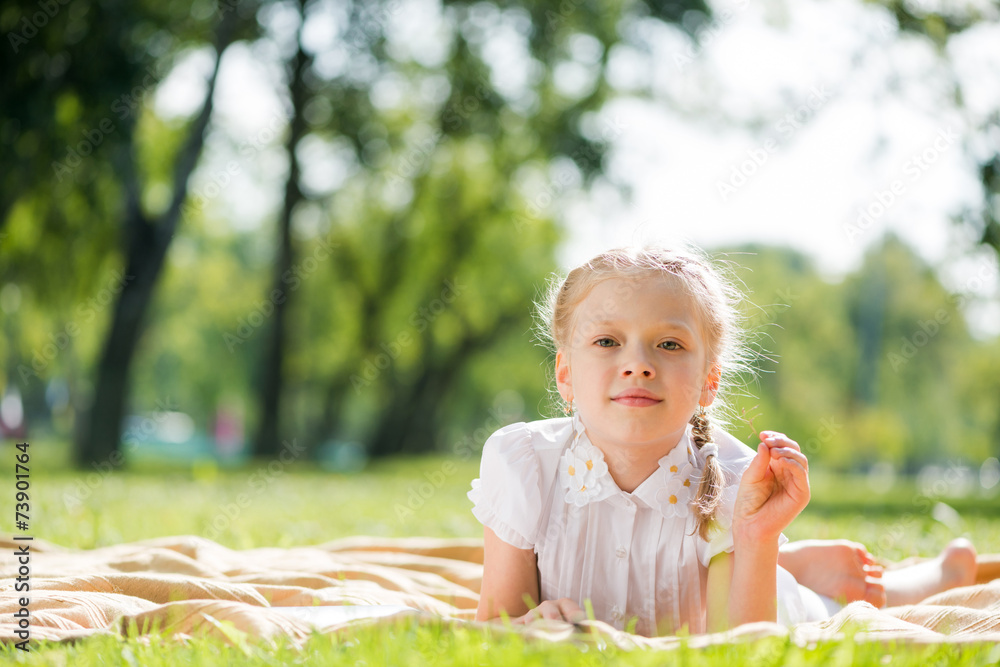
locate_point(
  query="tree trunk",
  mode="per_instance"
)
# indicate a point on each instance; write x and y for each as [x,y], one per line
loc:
[102,429]
[333,400]
[267,442]
[147,241]
[408,424]
[870,319]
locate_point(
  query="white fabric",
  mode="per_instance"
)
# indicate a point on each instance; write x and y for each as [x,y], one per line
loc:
[798,604]
[634,555]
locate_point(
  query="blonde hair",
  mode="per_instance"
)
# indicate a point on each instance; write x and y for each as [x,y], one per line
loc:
[719,304]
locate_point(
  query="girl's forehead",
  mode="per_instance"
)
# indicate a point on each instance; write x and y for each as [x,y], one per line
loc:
[613,293]
[646,297]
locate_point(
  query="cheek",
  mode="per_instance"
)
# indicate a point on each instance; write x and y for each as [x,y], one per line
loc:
[590,374]
[693,382]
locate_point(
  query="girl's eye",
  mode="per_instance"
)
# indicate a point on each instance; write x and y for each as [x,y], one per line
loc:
[605,342]
[670,345]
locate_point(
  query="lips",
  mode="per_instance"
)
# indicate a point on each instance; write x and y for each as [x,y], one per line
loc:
[637,398]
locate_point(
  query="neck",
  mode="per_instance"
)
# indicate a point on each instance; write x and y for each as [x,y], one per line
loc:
[631,465]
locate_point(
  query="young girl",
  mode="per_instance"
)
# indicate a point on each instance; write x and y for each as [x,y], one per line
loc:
[638,502]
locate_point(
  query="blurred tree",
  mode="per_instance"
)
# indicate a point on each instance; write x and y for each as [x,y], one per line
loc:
[941,24]
[84,71]
[271,382]
[910,361]
[944,26]
[147,238]
[880,367]
[450,145]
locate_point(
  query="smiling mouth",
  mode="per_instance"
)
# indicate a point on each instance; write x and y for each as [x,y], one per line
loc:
[636,401]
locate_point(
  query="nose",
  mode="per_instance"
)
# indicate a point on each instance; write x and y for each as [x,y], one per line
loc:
[638,364]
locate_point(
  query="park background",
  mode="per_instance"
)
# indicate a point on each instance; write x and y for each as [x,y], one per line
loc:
[284,294]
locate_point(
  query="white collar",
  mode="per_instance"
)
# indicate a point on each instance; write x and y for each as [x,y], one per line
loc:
[584,475]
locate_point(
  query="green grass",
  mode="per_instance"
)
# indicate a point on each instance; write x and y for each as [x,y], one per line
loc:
[298,504]
[439,644]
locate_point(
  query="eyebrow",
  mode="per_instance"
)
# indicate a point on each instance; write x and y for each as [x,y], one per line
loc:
[666,324]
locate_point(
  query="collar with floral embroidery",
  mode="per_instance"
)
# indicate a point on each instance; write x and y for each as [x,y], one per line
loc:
[584,475]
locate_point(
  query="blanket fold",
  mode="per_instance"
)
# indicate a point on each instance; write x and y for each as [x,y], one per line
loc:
[189,586]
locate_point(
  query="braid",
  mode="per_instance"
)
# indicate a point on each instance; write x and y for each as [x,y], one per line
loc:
[710,489]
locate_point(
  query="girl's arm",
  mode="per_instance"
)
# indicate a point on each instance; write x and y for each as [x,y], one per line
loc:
[510,574]
[742,586]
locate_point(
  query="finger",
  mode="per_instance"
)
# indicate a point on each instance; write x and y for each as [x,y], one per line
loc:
[793,452]
[789,465]
[781,440]
[571,610]
[791,474]
[758,466]
[531,616]
[550,611]
[788,452]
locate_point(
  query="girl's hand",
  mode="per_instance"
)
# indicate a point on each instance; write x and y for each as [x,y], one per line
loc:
[774,489]
[563,609]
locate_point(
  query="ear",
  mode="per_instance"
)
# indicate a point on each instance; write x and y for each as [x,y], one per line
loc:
[564,381]
[711,387]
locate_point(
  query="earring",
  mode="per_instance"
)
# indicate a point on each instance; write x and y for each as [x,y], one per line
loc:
[568,408]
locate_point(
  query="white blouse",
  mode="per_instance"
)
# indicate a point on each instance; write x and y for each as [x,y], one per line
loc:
[544,486]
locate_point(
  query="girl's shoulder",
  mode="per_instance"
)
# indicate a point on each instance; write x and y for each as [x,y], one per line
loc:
[529,450]
[540,435]
[516,476]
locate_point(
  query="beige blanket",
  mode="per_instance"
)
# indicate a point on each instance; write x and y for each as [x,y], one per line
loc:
[189,586]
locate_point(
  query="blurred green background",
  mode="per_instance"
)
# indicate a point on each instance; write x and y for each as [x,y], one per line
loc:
[160,313]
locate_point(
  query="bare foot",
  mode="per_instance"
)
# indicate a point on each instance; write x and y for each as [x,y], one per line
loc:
[839,569]
[955,566]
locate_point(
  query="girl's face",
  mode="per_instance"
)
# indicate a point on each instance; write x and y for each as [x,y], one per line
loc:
[637,363]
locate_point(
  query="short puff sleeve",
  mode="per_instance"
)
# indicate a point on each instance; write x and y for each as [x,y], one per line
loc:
[507,497]
[720,534]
